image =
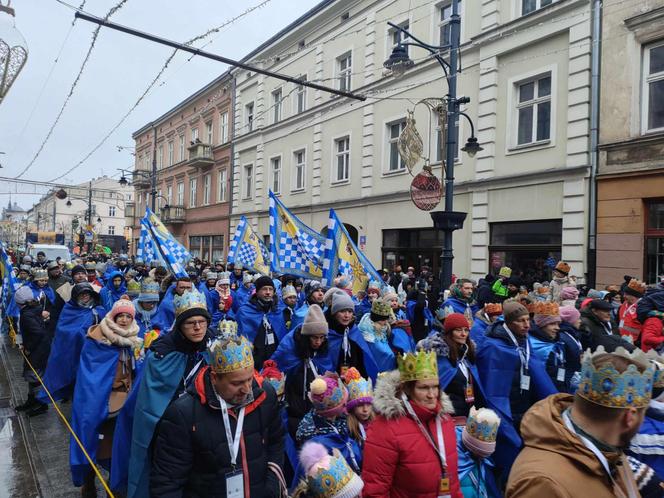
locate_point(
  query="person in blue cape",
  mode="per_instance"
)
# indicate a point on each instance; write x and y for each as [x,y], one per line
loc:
[210,280]
[115,288]
[417,308]
[484,318]
[289,301]
[302,355]
[105,376]
[400,339]
[648,445]
[260,320]
[314,293]
[165,316]
[457,372]
[41,289]
[326,422]
[78,315]
[222,301]
[146,305]
[346,344]
[548,348]
[476,442]
[512,379]
[462,300]
[243,292]
[237,275]
[372,293]
[170,366]
[376,331]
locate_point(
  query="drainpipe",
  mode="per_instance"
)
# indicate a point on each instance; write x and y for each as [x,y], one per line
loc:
[231,173]
[595,72]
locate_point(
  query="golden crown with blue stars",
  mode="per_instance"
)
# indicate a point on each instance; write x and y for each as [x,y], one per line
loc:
[338,478]
[422,365]
[230,355]
[606,386]
[189,300]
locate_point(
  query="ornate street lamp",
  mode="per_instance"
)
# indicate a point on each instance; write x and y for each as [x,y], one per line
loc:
[13,49]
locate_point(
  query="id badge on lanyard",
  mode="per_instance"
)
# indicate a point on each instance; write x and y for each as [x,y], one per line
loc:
[234,479]
[235,484]
[269,335]
[469,393]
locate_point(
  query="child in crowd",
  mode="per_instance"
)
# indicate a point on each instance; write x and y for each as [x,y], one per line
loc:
[358,406]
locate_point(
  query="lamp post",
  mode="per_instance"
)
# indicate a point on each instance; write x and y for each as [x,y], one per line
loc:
[447,220]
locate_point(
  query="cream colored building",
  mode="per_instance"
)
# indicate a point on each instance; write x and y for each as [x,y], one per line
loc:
[526,69]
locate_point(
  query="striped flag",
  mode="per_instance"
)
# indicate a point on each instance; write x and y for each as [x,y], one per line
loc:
[156,242]
[249,249]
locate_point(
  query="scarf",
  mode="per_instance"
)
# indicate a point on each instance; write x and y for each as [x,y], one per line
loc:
[145,315]
[118,336]
[371,332]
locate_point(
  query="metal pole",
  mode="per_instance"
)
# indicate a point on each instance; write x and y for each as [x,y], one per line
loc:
[447,256]
[153,178]
[90,203]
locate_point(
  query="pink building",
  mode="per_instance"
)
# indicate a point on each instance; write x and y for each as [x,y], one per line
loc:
[193,161]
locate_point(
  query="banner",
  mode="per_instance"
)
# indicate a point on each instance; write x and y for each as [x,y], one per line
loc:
[343,257]
[9,284]
[156,242]
[295,249]
[248,248]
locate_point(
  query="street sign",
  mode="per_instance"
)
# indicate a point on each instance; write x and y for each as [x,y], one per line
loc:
[89,236]
[363,242]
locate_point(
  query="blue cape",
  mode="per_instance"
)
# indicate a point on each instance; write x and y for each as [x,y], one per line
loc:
[250,318]
[363,308]
[95,376]
[144,323]
[298,315]
[455,305]
[288,361]
[410,312]
[109,294]
[165,316]
[242,295]
[354,335]
[447,372]
[48,292]
[477,331]
[161,377]
[63,360]
[401,341]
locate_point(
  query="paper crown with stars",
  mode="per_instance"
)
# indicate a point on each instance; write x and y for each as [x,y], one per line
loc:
[657,362]
[189,300]
[227,329]
[328,476]
[359,389]
[418,366]
[605,386]
[483,424]
[230,355]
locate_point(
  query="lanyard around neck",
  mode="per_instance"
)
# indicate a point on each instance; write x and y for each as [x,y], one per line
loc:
[233,442]
[440,449]
[524,353]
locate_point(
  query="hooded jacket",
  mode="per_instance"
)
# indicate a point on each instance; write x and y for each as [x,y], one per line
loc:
[399,462]
[595,333]
[556,464]
[653,300]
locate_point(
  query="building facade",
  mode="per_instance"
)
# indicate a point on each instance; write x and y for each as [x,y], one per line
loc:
[630,183]
[193,151]
[526,69]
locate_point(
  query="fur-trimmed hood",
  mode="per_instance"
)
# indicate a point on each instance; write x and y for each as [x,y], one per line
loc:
[387,403]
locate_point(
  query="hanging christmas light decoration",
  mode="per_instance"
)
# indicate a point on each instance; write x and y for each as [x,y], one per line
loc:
[13,49]
[425,189]
[409,144]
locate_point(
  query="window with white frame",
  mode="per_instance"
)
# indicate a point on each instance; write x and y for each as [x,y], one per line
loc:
[169,194]
[533,110]
[159,199]
[180,194]
[249,116]
[193,188]
[209,132]
[299,169]
[111,211]
[111,230]
[276,105]
[528,6]
[160,156]
[222,180]
[170,153]
[341,169]
[444,26]
[344,70]
[275,170]
[223,128]
[206,189]
[397,36]
[394,161]
[248,181]
[653,87]
[442,140]
[181,147]
[301,97]
[194,134]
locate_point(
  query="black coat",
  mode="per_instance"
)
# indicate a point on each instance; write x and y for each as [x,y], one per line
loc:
[36,337]
[652,301]
[191,456]
[595,334]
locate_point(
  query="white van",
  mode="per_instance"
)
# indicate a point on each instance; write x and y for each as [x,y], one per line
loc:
[52,251]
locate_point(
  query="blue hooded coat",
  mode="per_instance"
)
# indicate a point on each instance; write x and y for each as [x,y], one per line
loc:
[165,316]
[109,294]
[476,475]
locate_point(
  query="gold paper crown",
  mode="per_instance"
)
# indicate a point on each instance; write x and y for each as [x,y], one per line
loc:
[422,365]
[188,300]
[493,308]
[546,308]
[230,355]
[637,286]
[657,363]
[606,386]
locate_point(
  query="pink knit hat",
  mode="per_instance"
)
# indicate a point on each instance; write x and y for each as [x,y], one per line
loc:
[569,314]
[569,293]
[122,305]
[328,394]
[544,320]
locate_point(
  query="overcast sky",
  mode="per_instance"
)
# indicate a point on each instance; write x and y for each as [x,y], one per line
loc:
[118,72]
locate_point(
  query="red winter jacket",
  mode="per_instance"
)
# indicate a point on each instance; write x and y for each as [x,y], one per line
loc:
[651,336]
[399,461]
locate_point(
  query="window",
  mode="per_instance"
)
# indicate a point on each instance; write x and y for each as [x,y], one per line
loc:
[222,180]
[344,69]
[111,211]
[169,194]
[249,116]
[395,163]
[653,88]
[195,246]
[217,247]
[209,131]
[301,98]
[528,6]
[181,152]
[440,143]
[194,134]
[159,199]
[276,106]
[206,190]
[160,156]
[444,26]
[223,128]
[342,158]
[299,168]
[193,186]
[534,110]
[111,230]
[397,37]
[170,153]
[275,169]
[248,181]
[180,194]
[654,241]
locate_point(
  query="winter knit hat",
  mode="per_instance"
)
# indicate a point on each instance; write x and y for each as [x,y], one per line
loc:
[390,296]
[224,278]
[341,301]
[122,305]
[360,391]
[455,321]
[479,434]
[380,310]
[263,281]
[272,375]
[78,269]
[513,310]
[149,291]
[311,286]
[569,314]
[569,293]
[133,289]
[314,322]
[328,395]
[328,476]
[288,291]
[23,295]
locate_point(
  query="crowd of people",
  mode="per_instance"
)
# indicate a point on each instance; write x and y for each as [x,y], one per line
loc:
[229,383]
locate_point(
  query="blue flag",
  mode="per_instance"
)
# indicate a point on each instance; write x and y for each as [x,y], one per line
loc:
[249,249]
[295,248]
[156,242]
[9,284]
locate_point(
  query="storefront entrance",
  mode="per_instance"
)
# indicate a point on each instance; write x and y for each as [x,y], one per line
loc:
[416,247]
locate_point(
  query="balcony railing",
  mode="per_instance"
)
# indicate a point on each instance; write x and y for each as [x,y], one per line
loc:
[200,155]
[173,214]
[140,178]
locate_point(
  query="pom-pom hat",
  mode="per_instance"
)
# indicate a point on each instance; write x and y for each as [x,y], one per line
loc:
[360,391]
[273,376]
[328,476]
[328,395]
